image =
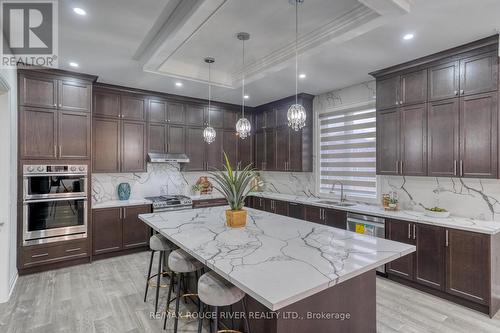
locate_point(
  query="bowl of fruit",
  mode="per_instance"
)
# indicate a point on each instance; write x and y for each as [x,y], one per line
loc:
[437,212]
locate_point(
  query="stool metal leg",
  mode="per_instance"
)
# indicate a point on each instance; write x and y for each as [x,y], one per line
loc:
[149,274]
[201,307]
[170,288]
[244,306]
[176,322]
[158,277]
[216,319]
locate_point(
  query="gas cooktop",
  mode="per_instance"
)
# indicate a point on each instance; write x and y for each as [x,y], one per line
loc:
[170,202]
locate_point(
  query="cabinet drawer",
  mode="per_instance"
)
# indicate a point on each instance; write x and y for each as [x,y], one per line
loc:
[209,203]
[37,255]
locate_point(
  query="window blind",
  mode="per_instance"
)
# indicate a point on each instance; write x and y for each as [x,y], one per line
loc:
[347,151]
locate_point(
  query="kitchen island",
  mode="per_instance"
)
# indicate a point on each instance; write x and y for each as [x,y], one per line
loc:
[302,275]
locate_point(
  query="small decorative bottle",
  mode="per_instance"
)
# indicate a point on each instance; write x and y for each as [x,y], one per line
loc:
[124,191]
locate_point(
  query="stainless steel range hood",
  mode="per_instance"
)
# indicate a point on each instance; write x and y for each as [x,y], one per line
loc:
[167,158]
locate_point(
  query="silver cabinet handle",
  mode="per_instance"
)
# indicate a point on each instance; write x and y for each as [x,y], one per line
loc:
[120,213]
[414,231]
[461,167]
[397,103]
[447,241]
[400,102]
[55,151]
[401,167]
[409,231]
[397,167]
[462,92]
[456,92]
[60,150]
[455,167]
[39,255]
[124,213]
[74,250]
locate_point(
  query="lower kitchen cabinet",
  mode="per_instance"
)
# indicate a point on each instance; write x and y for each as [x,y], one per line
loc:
[314,214]
[296,210]
[400,231]
[276,206]
[118,228]
[210,203]
[331,217]
[430,255]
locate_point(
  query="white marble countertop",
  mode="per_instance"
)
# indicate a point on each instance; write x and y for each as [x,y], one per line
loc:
[276,259]
[455,222]
[120,203]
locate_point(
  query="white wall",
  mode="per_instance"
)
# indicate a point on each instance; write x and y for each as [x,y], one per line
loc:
[8,174]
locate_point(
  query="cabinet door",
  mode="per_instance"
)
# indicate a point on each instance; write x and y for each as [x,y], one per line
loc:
[132,108]
[467,265]
[195,149]
[429,257]
[282,149]
[443,138]
[336,218]
[133,147]
[74,135]
[296,210]
[176,113]
[106,230]
[260,120]
[282,114]
[259,203]
[413,153]
[230,119]
[38,92]
[75,96]
[314,214]
[388,92]
[260,150]
[388,141]
[157,138]
[195,115]
[280,207]
[400,231]
[106,145]
[216,117]
[176,139]
[106,104]
[479,74]
[157,111]
[296,150]
[268,205]
[213,153]
[444,81]
[230,146]
[135,232]
[38,133]
[478,135]
[270,118]
[270,162]
[414,87]
[245,148]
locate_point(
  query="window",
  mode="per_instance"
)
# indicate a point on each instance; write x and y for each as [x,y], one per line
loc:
[347,151]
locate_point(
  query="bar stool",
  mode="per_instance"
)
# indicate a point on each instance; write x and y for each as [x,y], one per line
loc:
[215,291]
[180,264]
[159,243]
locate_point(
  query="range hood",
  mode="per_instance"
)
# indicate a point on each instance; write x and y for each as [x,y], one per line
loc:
[167,158]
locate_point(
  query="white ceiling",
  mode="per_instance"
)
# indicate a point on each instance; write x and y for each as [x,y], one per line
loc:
[153,44]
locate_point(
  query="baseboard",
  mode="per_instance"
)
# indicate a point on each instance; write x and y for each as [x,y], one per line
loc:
[13,285]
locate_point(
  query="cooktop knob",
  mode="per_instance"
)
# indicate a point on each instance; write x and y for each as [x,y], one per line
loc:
[81,168]
[31,169]
[40,168]
[73,168]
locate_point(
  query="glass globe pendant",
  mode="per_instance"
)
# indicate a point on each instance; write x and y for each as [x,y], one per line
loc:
[296,113]
[209,133]
[243,126]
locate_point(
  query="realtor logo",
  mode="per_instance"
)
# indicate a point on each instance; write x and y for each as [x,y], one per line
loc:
[29,33]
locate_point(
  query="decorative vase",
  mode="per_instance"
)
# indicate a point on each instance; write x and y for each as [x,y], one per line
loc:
[124,191]
[236,218]
[206,185]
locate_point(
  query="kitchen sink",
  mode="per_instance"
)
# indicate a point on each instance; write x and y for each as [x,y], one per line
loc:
[336,203]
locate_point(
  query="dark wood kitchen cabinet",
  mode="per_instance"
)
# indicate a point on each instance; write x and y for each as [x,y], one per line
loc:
[296,210]
[133,147]
[430,255]
[158,138]
[195,149]
[132,107]
[454,134]
[270,150]
[230,147]
[106,140]
[443,138]
[119,228]
[245,151]
[260,150]
[479,135]
[468,265]
[38,91]
[216,117]
[335,218]
[176,113]
[314,214]
[74,135]
[400,231]
[176,139]
[157,111]
[213,153]
[74,95]
[195,115]
[106,103]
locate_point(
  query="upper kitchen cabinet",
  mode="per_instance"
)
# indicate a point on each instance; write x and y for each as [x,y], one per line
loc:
[231,116]
[195,149]
[216,117]
[133,154]
[133,107]
[195,115]
[54,89]
[54,114]
[117,102]
[479,74]
[106,103]
[176,113]
[162,111]
[445,107]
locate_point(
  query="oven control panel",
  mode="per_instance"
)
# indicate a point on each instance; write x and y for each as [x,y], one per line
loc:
[50,169]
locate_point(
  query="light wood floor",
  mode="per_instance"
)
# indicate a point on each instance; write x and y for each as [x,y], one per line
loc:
[107,296]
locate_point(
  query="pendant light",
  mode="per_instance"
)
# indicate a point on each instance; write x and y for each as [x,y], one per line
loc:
[243,126]
[209,132]
[296,113]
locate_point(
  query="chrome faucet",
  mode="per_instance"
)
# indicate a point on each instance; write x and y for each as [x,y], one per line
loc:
[342,196]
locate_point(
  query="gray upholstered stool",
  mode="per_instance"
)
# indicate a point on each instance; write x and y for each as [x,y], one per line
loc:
[215,291]
[180,264]
[159,243]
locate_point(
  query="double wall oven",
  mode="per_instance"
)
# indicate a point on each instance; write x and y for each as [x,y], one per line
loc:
[54,203]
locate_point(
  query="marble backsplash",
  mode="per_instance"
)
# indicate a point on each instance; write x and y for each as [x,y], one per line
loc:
[475,198]
[166,178]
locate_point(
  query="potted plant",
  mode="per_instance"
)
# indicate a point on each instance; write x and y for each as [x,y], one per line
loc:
[234,185]
[196,189]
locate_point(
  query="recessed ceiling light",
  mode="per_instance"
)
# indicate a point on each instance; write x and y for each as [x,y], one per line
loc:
[74,64]
[302,76]
[178,84]
[246,97]
[408,36]
[79,11]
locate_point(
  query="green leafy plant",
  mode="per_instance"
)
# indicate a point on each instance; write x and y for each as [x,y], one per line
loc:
[196,188]
[234,184]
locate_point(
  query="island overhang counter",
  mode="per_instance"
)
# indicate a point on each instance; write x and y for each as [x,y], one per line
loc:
[306,276]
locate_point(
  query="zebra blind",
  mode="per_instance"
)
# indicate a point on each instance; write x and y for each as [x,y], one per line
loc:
[347,151]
